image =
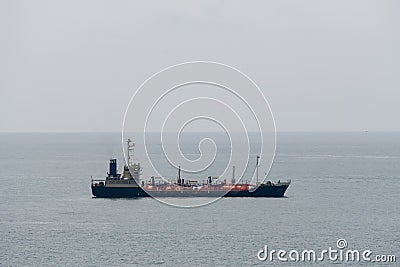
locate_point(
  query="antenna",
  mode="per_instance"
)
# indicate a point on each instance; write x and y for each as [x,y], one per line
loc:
[233,175]
[130,150]
[258,157]
[134,167]
[179,176]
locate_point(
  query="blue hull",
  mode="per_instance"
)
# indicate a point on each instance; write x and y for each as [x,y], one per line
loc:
[137,192]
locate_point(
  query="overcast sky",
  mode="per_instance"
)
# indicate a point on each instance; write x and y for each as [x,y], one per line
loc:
[323,65]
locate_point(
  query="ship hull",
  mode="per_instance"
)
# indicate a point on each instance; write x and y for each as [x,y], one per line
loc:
[138,192]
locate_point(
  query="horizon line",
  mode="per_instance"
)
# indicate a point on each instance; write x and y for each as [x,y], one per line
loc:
[118,132]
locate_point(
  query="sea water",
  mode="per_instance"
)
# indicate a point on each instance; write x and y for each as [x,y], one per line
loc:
[344,186]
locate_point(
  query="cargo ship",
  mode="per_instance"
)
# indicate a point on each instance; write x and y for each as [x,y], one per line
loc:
[128,184]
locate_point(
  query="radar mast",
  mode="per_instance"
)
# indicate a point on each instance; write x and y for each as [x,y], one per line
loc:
[134,167]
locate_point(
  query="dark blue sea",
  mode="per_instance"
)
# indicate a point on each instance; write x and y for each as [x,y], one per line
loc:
[344,186]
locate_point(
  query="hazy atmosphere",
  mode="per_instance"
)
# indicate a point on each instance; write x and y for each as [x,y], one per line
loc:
[323,65]
[199,133]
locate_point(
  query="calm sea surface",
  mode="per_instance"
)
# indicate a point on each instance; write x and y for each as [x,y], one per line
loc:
[344,185]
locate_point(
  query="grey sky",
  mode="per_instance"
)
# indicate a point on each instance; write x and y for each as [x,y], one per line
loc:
[323,65]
